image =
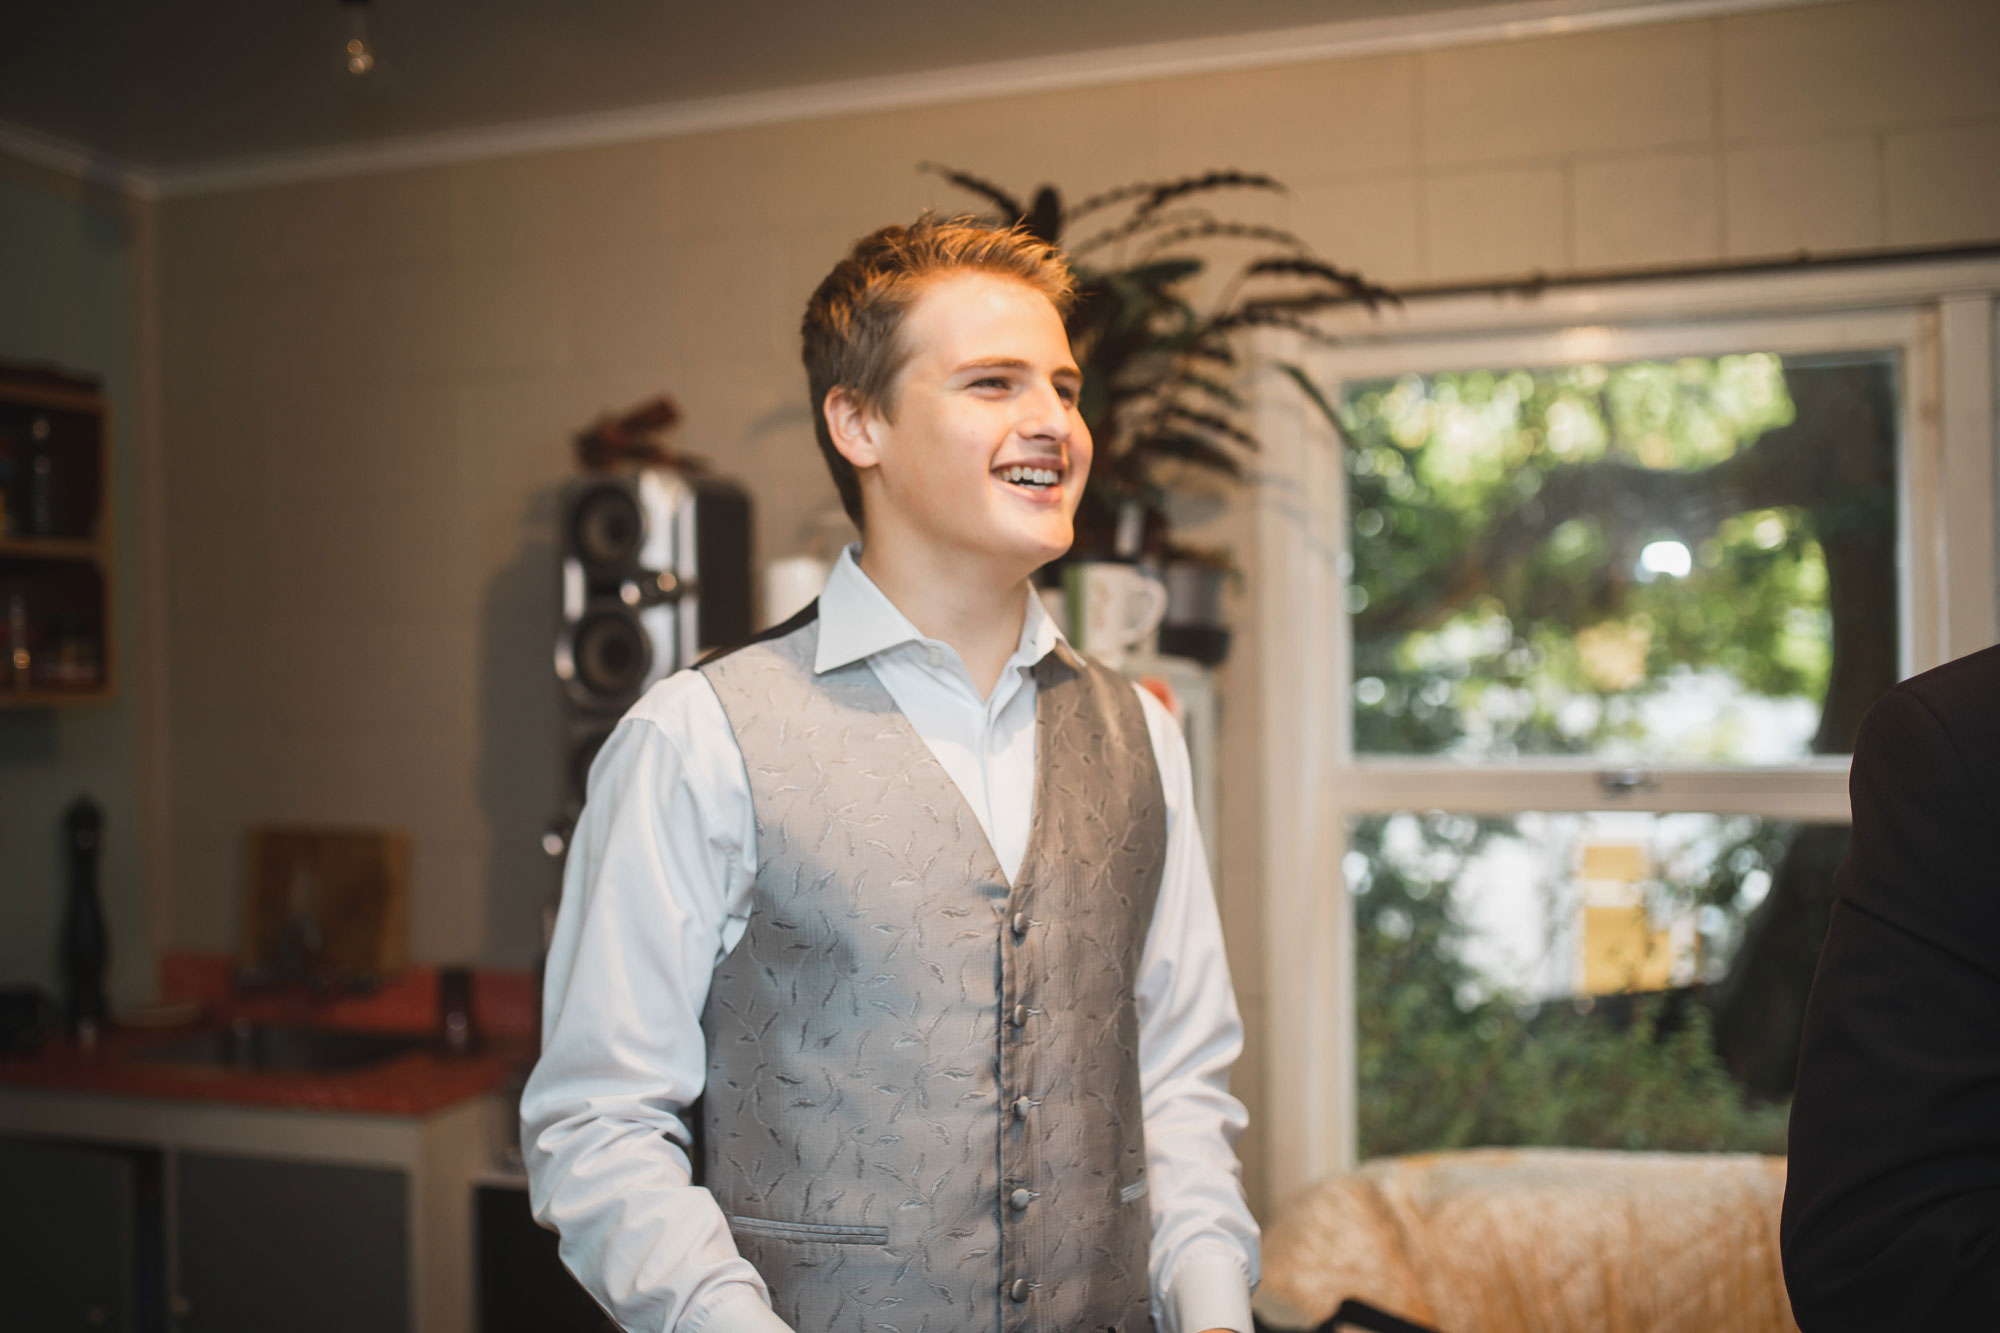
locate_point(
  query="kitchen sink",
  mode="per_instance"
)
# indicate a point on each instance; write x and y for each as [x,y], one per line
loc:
[281,1046]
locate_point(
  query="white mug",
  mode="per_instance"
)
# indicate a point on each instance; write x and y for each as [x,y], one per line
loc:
[1113,608]
[789,583]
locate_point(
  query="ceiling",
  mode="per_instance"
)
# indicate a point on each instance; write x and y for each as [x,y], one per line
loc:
[170,86]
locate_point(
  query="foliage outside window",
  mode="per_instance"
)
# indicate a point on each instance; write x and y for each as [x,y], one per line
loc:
[1657,563]
[1449,1056]
[1626,562]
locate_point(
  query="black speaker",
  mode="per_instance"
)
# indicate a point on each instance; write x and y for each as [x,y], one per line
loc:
[655,574]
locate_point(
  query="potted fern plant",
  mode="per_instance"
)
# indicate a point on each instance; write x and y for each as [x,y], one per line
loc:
[1157,367]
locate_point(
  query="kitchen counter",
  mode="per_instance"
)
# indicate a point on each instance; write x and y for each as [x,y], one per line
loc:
[415,1084]
[419,1083]
[397,1142]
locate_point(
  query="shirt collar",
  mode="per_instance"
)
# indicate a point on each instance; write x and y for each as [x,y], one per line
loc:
[857,620]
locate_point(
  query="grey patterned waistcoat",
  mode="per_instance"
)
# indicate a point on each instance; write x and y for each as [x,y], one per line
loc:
[922,1110]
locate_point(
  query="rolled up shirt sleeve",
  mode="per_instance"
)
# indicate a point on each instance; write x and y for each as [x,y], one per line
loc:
[1204,1241]
[655,892]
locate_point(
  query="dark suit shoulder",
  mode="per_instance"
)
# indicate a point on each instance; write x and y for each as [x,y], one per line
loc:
[1964,691]
[1925,790]
[1942,725]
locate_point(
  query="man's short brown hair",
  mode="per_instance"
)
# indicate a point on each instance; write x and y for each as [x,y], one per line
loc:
[853,322]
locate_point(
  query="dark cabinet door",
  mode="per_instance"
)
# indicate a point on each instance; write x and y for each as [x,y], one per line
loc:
[523,1286]
[69,1238]
[299,1246]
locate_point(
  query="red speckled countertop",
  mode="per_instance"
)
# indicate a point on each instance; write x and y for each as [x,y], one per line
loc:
[417,1083]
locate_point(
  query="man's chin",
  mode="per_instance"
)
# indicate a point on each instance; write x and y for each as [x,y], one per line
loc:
[1028,546]
[1054,546]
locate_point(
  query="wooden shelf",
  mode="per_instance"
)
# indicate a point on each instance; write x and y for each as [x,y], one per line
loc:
[51,548]
[56,592]
[46,698]
[40,393]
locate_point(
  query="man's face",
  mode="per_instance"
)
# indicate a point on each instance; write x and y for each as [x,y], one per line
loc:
[986,454]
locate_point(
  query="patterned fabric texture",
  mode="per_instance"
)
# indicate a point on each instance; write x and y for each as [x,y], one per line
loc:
[1538,1240]
[922,1109]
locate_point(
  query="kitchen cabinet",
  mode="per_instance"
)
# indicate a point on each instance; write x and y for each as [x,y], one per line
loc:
[523,1285]
[301,1220]
[74,1240]
[309,1247]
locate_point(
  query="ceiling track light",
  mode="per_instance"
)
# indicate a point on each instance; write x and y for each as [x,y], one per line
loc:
[360,53]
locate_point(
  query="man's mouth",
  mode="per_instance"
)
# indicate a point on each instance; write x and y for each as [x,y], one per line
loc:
[1030,476]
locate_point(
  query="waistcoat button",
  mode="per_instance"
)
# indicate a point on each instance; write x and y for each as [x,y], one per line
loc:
[1019,1018]
[1021,1108]
[1019,1291]
[1020,924]
[1019,1200]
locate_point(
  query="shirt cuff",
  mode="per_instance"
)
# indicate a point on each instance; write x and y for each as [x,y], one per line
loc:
[739,1310]
[1211,1290]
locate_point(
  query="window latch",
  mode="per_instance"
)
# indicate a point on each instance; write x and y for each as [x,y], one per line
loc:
[1617,782]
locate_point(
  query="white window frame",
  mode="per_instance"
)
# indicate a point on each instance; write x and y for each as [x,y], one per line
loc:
[1941,315]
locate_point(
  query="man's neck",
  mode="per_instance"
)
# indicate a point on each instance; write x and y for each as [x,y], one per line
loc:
[976,610]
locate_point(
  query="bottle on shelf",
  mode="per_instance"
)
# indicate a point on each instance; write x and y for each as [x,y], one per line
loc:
[10,471]
[72,659]
[38,506]
[16,667]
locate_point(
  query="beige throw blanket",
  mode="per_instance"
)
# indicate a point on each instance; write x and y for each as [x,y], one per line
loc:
[1539,1241]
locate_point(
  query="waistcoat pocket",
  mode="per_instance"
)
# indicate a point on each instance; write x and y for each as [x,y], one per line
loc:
[824,1233]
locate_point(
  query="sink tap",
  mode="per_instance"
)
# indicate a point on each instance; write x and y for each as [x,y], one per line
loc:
[300,941]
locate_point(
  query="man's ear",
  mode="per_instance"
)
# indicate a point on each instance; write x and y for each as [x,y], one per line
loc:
[851,425]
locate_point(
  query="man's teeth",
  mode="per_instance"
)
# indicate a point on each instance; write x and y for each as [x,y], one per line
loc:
[1031,476]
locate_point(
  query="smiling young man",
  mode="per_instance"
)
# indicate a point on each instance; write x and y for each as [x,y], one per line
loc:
[908,893]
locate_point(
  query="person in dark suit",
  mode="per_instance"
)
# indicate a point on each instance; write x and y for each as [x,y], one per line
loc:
[1892,1211]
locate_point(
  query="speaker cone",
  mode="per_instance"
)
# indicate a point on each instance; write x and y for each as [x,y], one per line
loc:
[607,529]
[612,653]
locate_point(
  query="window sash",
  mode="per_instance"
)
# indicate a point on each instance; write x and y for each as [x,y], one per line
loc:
[1911,334]
[1815,790]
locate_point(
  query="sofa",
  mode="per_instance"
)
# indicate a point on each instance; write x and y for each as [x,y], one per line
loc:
[1538,1241]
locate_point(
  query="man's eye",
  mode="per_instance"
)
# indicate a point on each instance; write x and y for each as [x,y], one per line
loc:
[991,381]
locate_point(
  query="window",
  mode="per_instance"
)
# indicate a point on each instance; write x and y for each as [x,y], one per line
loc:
[1583,610]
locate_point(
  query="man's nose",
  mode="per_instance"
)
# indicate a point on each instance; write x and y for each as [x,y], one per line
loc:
[1044,414]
